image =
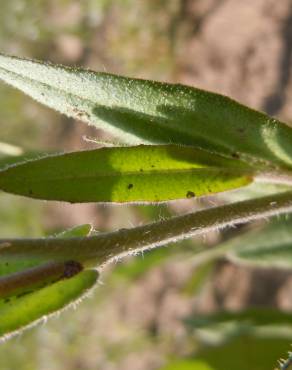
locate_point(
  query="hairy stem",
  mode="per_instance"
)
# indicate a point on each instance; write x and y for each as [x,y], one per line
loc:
[97,250]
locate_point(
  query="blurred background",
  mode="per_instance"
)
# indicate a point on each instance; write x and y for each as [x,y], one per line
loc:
[140,317]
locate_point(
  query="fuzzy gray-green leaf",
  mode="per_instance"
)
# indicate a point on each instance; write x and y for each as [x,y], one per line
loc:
[270,245]
[141,111]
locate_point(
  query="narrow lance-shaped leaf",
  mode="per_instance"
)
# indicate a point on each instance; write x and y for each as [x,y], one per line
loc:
[28,295]
[189,364]
[254,316]
[125,174]
[9,160]
[141,111]
[271,245]
[247,351]
[242,351]
[20,311]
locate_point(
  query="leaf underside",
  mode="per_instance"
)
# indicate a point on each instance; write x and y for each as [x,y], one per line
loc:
[126,174]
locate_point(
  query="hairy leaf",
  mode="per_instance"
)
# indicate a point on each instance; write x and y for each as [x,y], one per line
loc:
[125,174]
[271,245]
[20,311]
[141,111]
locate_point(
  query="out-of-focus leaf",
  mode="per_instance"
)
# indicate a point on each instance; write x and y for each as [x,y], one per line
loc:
[271,245]
[141,111]
[246,352]
[201,274]
[20,311]
[188,365]
[125,174]
[138,266]
[252,316]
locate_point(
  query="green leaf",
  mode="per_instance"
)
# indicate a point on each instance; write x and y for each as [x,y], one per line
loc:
[9,160]
[247,352]
[188,365]
[125,174]
[202,273]
[20,311]
[254,316]
[141,111]
[269,246]
[241,353]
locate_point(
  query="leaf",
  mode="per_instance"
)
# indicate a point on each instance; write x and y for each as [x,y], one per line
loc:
[246,352]
[188,365]
[202,273]
[141,111]
[9,160]
[270,246]
[19,312]
[125,174]
[254,316]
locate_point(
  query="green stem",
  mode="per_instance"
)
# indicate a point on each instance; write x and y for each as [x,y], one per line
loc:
[97,250]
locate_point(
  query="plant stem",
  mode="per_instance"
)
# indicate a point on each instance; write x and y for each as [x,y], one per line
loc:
[102,248]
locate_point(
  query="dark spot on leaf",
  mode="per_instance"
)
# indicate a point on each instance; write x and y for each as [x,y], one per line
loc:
[235,155]
[6,300]
[141,169]
[130,186]
[71,268]
[152,165]
[241,130]
[190,194]
[30,192]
